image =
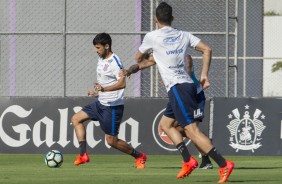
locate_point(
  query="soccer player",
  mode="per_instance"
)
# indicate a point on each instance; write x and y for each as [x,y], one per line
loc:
[170,47]
[109,107]
[206,163]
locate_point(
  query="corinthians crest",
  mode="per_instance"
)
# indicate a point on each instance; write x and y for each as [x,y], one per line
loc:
[245,131]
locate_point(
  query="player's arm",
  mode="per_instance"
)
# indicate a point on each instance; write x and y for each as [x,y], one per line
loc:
[143,61]
[144,56]
[206,54]
[189,64]
[120,84]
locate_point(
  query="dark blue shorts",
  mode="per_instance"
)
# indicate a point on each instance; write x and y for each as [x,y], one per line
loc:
[109,117]
[185,105]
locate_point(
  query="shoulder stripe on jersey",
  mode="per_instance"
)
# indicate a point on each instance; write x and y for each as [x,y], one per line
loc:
[118,63]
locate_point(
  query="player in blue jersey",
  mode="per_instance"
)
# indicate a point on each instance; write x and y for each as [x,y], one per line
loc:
[109,107]
[170,48]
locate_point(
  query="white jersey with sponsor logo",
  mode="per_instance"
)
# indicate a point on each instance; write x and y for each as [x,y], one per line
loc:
[170,47]
[107,74]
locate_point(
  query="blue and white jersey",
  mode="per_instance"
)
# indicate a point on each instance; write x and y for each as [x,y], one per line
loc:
[107,74]
[169,51]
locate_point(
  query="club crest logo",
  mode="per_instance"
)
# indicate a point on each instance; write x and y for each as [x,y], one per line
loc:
[160,136]
[246,130]
[106,66]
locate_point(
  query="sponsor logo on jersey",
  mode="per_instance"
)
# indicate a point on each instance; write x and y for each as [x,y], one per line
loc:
[176,51]
[177,66]
[172,40]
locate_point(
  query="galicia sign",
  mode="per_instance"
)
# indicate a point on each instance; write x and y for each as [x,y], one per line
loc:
[19,128]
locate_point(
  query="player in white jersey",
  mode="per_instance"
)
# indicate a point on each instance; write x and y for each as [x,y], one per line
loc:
[108,109]
[170,47]
[206,163]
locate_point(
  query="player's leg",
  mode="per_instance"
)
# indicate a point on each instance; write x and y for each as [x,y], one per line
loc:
[171,113]
[179,128]
[200,101]
[206,162]
[203,142]
[119,144]
[77,122]
[188,108]
[115,142]
[110,124]
[167,125]
[182,132]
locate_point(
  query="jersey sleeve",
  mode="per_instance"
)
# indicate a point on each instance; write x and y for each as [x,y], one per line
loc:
[193,40]
[147,43]
[117,66]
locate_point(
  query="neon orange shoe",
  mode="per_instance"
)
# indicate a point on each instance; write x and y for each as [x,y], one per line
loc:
[81,159]
[140,162]
[225,172]
[187,167]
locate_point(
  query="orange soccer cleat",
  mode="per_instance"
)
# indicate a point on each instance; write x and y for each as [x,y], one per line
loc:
[225,172]
[140,162]
[187,167]
[81,159]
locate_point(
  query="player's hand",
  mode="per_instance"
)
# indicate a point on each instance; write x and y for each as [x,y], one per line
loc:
[97,88]
[90,92]
[151,58]
[204,82]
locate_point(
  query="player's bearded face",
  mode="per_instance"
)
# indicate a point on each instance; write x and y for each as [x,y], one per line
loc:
[101,50]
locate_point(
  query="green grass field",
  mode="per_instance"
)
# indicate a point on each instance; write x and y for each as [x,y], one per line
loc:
[118,169]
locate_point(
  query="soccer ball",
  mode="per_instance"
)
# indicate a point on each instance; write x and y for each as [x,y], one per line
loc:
[54,159]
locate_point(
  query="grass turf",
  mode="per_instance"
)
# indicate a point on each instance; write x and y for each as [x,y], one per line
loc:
[118,169]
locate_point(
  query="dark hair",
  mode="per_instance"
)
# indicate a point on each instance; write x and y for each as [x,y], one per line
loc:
[164,13]
[103,39]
